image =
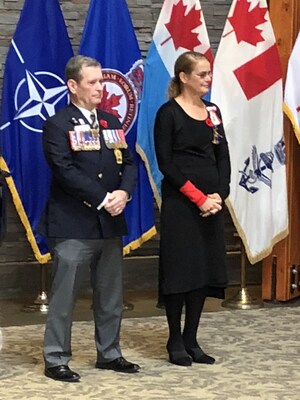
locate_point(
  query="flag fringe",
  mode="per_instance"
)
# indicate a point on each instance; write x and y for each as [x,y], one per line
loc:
[138,242]
[288,112]
[41,258]
[143,156]
[264,253]
[45,258]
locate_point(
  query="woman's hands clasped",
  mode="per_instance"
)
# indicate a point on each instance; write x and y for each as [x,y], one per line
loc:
[212,205]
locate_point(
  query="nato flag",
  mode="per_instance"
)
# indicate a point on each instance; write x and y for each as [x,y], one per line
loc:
[33,89]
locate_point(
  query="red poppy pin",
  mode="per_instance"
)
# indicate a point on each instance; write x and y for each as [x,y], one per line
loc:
[216,135]
[208,122]
[103,123]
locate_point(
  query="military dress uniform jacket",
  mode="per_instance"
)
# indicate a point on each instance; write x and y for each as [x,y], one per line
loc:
[81,180]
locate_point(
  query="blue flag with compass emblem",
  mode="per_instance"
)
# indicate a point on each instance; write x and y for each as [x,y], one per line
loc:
[109,37]
[33,90]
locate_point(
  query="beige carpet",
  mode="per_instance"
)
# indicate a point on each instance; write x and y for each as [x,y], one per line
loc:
[257,353]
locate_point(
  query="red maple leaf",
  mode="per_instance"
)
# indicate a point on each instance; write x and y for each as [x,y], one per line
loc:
[259,73]
[244,22]
[181,26]
[109,102]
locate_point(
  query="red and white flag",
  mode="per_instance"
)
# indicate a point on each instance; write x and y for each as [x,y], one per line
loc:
[292,89]
[247,86]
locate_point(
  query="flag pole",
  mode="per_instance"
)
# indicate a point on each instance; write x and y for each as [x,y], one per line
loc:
[243,300]
[40,304]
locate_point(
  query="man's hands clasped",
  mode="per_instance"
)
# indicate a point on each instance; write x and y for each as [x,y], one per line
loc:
[116,202]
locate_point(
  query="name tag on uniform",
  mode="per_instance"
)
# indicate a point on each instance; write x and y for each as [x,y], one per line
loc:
[83,138]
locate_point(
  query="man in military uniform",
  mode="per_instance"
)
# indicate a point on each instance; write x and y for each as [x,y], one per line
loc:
[84,220]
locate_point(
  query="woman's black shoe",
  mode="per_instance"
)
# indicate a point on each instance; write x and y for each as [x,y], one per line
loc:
[178,355]
[180,358]
[199,356]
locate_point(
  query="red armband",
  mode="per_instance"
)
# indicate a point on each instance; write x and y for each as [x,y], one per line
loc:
[194,194]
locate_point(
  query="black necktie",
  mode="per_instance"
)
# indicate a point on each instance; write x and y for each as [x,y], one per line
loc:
[94,122]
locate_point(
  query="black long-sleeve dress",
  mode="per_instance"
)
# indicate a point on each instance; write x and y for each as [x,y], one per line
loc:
[192,248]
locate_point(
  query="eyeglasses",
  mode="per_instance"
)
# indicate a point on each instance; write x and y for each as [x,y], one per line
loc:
[203,75]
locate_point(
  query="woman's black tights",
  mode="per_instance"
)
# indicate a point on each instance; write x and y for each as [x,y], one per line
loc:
[194,302]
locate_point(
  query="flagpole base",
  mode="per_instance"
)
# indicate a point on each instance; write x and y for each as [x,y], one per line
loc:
[40,304]
[243,301]
[127,306]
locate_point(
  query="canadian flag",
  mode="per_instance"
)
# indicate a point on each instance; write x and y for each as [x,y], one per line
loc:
[180,27]
[247,86]
[292,89]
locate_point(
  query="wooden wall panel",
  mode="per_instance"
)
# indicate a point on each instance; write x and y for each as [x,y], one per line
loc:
[276,276]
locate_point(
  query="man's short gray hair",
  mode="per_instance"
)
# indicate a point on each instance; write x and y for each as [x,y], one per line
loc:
[75,65]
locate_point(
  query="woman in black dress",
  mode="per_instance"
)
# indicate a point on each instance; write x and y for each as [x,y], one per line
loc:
[193,157]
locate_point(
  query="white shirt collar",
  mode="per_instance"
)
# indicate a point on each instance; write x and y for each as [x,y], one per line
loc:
[87,113]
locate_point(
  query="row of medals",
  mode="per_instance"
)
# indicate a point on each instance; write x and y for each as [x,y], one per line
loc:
[85,138]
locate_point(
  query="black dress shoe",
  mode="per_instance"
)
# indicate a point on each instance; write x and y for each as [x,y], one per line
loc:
[62,373]
[180,358]
[119,365]
[178,354]
[199,356]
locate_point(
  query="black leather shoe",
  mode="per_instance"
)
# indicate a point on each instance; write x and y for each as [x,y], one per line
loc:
[180,358]
[62,373]
[178,354]
[199,356]
[119,365]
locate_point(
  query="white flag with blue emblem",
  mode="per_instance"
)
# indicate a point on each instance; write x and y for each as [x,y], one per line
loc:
[180,27]
[33,89]
[247,86]
[292,89]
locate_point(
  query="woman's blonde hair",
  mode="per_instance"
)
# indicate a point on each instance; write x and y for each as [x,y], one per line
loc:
[184,63]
